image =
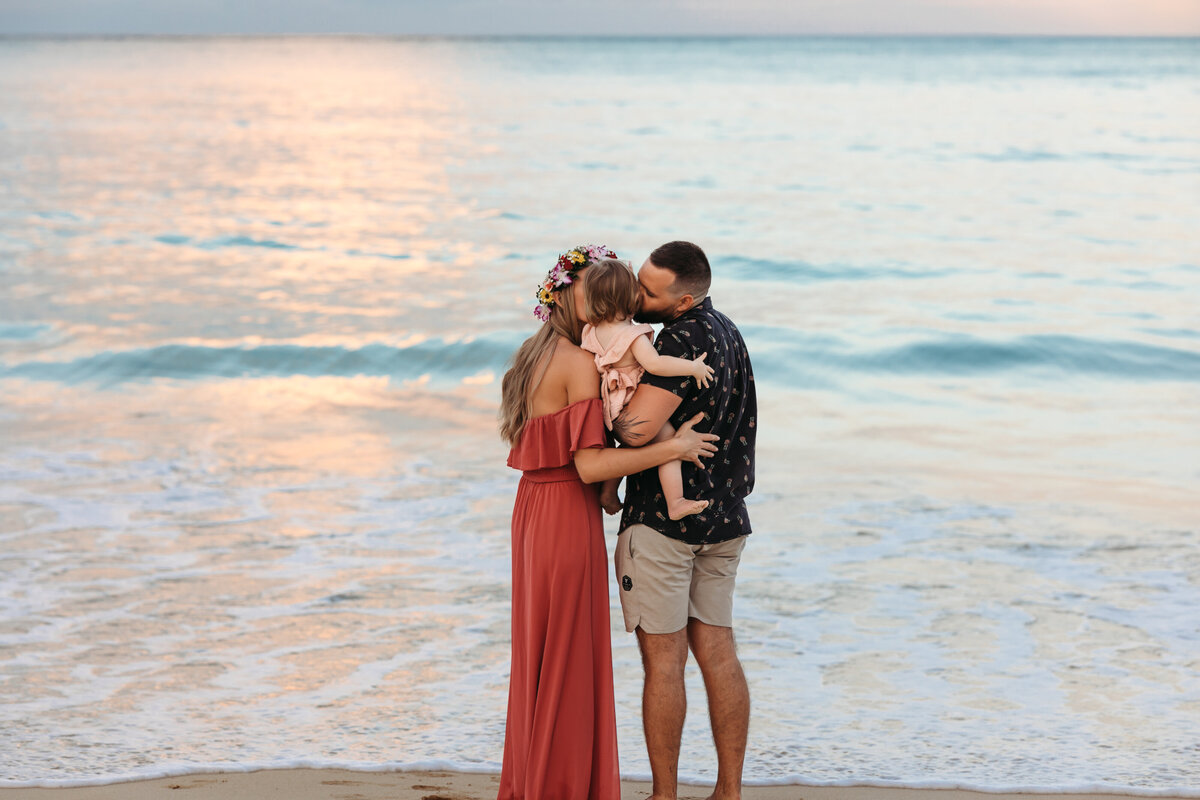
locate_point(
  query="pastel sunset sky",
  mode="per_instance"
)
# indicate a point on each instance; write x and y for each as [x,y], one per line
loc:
[634,17]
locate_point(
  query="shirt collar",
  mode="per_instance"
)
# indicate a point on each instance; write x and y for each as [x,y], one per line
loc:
[694,311]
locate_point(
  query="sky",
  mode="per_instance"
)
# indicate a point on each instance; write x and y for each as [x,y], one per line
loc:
[603,17]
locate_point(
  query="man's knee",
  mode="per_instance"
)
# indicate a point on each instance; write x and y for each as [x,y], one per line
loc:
[712,645]
[663,653]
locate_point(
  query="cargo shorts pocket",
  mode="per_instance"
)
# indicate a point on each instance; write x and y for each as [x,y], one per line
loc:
[626,570]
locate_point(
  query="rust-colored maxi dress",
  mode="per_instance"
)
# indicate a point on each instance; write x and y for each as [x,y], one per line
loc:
[560,742]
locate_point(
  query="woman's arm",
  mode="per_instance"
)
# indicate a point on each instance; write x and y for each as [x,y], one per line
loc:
[670,366]
[596,464]
[582,382]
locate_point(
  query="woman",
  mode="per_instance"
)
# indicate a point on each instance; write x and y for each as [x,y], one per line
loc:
[560,741]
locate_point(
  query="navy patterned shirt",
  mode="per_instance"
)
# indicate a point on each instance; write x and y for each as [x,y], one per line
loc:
[730,408]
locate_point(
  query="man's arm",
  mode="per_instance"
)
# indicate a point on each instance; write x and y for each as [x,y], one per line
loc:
[645,414]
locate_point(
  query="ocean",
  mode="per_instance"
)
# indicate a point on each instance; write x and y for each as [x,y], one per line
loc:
[256,295]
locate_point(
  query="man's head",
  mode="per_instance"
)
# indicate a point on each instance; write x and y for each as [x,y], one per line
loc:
[674,278]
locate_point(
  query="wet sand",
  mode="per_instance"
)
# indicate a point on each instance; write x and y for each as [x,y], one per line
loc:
[338,784]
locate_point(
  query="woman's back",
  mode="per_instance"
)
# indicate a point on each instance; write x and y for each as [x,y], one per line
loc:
[570,376]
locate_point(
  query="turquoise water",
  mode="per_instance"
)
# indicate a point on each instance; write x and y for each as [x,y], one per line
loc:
[256,295]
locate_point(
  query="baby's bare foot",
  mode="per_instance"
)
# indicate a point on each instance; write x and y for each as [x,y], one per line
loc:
[682,507]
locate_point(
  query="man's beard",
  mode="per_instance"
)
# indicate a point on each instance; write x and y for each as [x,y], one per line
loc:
[655,317]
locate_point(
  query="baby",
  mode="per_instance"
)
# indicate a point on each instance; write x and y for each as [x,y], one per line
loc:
[624,351]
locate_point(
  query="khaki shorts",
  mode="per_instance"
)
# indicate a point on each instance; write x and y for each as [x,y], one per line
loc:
[664,581]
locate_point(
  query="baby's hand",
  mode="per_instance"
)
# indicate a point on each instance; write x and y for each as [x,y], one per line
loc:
[703,372]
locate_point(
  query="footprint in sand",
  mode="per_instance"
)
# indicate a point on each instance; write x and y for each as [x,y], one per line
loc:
[193,784]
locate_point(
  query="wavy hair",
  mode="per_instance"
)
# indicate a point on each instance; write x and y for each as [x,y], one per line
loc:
[530,361]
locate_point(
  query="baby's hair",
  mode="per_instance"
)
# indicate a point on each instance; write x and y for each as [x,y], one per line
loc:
[610,291]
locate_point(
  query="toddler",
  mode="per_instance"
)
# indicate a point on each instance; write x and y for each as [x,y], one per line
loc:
[623,351]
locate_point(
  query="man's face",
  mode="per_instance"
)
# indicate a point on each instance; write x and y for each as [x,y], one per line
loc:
[660,303]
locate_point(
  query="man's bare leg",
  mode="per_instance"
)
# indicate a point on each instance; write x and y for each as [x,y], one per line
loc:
[728,702]
[664,706]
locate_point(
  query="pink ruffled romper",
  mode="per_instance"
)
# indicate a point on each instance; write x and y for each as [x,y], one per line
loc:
[617,384]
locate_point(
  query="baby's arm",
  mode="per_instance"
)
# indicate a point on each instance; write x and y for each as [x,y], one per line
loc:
[669,366]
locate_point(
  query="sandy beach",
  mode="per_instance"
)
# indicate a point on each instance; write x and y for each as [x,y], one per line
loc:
[337,784]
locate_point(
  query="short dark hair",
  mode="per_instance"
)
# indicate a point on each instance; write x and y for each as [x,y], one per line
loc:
[692,274]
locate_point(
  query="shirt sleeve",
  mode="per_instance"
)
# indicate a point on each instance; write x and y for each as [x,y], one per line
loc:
[674,342]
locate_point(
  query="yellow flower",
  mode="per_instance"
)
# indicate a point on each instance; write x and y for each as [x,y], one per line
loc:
[545,296]
[576,256]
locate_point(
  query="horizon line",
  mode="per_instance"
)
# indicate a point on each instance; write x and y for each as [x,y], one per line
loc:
[573,35]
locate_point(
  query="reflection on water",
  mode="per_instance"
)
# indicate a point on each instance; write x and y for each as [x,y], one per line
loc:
[252,564]
[255,296]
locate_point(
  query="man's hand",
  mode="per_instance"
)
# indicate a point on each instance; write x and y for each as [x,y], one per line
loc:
[609,500]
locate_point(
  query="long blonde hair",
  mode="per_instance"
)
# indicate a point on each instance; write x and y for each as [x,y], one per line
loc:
[530,362]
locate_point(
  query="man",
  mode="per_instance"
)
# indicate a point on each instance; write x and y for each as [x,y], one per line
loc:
[677,577]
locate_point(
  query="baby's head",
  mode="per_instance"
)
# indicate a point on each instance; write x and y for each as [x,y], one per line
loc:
[610,291]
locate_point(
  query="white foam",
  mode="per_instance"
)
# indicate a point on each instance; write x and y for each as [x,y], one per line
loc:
[856,646]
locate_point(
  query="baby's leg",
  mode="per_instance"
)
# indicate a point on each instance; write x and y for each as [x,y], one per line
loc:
[670,475]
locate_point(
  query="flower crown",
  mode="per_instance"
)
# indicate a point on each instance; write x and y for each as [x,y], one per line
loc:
[563,274]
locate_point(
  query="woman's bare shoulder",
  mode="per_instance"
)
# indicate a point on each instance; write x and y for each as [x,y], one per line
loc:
[571,375]
[569,356]
[576,369]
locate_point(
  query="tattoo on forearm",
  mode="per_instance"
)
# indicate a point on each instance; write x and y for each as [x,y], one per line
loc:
[626,429]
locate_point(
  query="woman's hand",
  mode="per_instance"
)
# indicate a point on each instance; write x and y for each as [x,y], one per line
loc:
[702,372]
[693,445]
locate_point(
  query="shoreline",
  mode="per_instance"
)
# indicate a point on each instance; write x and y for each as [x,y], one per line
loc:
[318,783]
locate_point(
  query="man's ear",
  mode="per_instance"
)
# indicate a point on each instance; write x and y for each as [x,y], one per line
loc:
[683,304]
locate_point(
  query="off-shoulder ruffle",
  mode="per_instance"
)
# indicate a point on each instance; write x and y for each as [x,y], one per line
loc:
[552,439]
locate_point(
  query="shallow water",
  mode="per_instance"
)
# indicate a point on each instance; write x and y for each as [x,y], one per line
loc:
[256,294]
